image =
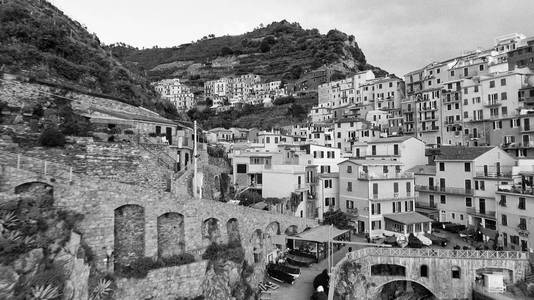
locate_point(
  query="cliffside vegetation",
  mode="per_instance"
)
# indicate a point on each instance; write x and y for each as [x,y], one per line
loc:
[279,50]
[40,40]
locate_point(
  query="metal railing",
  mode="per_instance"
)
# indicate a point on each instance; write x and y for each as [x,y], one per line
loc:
[392,175]
[477,212]
[447,190]
[38,166]
[493,172]
[516,189]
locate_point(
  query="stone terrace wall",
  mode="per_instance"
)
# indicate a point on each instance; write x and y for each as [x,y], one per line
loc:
[164,284]
[119,162]
[98,200]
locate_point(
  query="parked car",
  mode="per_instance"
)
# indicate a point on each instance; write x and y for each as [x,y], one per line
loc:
[280,276]
[436,240]
[454,228]
[293,271]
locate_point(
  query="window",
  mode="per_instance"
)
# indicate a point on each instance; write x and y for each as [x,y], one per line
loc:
[396,187]
[443,199]
[241,168]
[504,96]
[442,166]
[467,167]
[328,184]
[349,186]
[468,202]
[350,204]
[492,84]
[503,81]
[504,220]
[502,202]
[455,272]
[349,169]
[482,186]
[408,188]
[521,203]
[522,224]
[373,150]
[395,149]
[385,169]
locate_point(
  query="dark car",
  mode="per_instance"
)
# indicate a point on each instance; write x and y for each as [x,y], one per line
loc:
[293,271]
[454,228]
[436,240]
[281,276]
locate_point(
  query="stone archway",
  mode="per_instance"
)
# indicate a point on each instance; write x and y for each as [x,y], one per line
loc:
[171,234]
[256,242]
[129,232]
[211,231]
[232,229]
[406,285]
[291,230]
[42,194]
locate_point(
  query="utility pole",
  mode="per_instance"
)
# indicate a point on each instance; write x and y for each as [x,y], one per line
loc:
[195,156]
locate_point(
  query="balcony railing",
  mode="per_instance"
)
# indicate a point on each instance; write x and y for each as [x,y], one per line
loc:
[446,190]
[492,103]
[431,128]
[493,172]
[529,144]
[426,205]
[477,212]
[394,175]
[516,189]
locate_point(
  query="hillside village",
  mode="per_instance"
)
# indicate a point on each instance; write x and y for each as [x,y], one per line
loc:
[108,197]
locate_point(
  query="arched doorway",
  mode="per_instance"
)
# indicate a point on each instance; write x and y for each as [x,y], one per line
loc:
[129,232]
[211,231]
[408,289]
[171,234]
[256,241]
[232,229]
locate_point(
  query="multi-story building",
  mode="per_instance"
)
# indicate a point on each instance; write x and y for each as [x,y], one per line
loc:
[176,92]
[380,196]
[523,55]
[464,185]
[515,209]
[408,150]
[327,193]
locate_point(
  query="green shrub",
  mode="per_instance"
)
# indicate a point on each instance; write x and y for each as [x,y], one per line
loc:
[140,267]
[51,137]
[230,252]
[128,132]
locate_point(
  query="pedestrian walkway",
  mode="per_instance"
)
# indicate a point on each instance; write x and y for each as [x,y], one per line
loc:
[302,289]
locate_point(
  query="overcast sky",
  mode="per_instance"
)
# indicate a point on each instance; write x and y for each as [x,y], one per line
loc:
[396,35]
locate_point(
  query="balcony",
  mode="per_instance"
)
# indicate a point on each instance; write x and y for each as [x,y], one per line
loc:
[367,176]
[529,144]
[492,103]
[430,129]
[444,190]
[426,205]
[493,172]
[428,108]
[480,213]
[516,189]
[522,230]
[526,128]
[475,136]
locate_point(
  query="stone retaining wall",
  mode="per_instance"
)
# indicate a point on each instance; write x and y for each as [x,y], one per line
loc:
[165,283]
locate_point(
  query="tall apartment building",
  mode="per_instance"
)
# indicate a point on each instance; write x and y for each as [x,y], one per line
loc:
[515,209]
[176,92]
[380,197]
[463,187]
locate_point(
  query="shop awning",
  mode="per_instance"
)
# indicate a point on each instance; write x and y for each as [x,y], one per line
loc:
[408,218]
[320,234]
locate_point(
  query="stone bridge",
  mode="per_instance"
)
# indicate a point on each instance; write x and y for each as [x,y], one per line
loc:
[135,221]
[447,274]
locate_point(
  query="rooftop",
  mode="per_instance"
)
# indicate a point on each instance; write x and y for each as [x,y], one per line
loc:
[423,170]
[373,162]
[408,218]
[328,175]
[321,233]
[393,139]
[461,152]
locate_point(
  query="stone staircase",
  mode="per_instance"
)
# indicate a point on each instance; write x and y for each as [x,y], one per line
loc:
[162,157]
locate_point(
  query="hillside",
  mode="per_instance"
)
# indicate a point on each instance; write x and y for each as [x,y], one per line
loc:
[286,113]
[279,50]
[40,40]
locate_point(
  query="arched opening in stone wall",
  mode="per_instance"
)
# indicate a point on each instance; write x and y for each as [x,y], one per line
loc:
[232,228]
[273,228]
[388,270]
[405,289]
[171,234]
[211,231]
[129,231]
[291,230]
[256,242]
[42,194]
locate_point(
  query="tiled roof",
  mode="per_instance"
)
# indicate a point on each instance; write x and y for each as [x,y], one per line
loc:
[373,162]
[408,218]
[391,139]
[461,152]
[423,170]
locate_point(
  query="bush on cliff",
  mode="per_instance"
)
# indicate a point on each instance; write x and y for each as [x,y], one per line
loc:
[140,267]
[51,137]
[232,252]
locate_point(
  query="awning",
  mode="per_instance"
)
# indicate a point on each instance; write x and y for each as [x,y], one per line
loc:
[320,234]
[408,218]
